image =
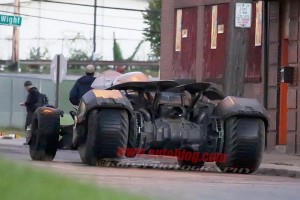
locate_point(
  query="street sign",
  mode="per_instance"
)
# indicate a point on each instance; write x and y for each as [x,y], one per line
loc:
[10,20]
[62,62]
[243,15]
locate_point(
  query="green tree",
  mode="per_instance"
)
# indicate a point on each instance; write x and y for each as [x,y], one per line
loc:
[117,52]
[38,53]
[118,56]
[153,19]
[78,55]
[131,58]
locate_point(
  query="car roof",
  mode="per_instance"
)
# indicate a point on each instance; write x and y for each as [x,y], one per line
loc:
[206,88]
[191,88]
[172,86]
[145,86]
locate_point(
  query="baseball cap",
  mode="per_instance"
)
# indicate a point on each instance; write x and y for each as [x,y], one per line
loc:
[90,69]
[27,83]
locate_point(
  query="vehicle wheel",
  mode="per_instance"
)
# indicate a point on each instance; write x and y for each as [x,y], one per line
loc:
[243,145]
[44,134]
[107,135]
[82,152]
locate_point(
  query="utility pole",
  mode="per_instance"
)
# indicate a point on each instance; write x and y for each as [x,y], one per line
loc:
[57,82]
[237,54]
[15,39]
[39,28]
[95,23]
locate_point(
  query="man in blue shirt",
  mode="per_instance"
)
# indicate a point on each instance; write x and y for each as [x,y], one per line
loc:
[82,85]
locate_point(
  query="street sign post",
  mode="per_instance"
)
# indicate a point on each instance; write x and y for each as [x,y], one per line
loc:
[10,20]
[58,71]
[59,61]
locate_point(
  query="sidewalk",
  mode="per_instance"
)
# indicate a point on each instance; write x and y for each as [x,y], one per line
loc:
[279,164]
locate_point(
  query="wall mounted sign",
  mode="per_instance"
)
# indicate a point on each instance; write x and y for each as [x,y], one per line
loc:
[243,15]
[220,28]
[184,33]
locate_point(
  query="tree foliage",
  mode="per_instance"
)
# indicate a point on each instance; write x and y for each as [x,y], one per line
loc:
[118,55]
[153,19]
[78,55]
[135,51]
[117,52]
[38,53]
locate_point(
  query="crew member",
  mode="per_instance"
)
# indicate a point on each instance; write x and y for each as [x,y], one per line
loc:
[31,101]
[82,85]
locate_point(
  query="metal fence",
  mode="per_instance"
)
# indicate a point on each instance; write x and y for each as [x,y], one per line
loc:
[12,93]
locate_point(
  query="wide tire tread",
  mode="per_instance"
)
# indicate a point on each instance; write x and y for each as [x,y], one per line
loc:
[107,134]
[45,137]
[244,145]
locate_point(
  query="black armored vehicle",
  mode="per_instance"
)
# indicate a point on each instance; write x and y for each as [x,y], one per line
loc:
[151,115]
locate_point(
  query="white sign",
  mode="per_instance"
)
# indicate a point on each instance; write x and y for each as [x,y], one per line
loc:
[243,15]
[62,68]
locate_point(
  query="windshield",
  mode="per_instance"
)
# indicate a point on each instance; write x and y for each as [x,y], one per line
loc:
[171,98]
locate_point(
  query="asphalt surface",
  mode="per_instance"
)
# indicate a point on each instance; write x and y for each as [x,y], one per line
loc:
[159,183]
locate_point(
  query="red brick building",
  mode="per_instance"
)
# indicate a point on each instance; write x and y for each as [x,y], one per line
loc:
[241,48]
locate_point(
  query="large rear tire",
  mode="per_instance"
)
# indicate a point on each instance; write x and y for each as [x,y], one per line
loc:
[244,145]
[107,135]
[44,134]
[82,152]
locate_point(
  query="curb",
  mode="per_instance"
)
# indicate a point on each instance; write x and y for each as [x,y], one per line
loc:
[267,169]
[278,172]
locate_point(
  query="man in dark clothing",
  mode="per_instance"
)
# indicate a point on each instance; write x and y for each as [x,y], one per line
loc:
[30,103]
[82,85]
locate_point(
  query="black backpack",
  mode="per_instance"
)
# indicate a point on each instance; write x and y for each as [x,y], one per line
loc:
[42,101]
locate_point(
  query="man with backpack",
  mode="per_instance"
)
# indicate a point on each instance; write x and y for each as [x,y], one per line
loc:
[33,98]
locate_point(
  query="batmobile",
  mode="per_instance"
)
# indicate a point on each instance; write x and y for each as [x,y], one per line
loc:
[194,117]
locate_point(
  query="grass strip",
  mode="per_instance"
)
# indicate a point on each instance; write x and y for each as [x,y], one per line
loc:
[18,182]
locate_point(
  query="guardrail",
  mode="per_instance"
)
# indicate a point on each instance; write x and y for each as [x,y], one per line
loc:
[148,64]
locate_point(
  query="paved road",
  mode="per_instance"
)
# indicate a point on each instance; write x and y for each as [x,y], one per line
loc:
[163,184]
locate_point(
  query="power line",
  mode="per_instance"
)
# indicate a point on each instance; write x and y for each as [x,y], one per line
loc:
[82,23]
[105,7]
[81,13]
